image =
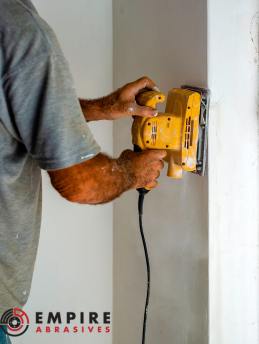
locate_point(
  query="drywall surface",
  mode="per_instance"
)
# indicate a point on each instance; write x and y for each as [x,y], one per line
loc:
[165,40]
[74,266]
[233,177]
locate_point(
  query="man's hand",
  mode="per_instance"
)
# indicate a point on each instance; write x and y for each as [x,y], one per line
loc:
[143,168]
[120,103]
[101,179]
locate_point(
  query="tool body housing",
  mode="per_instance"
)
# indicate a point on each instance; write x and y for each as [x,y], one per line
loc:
[181,130]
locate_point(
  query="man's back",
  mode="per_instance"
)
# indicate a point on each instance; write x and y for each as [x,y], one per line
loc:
[41,126]
[20,180]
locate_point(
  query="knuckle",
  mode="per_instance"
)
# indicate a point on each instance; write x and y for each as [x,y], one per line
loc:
[147,153]
[158,163]
[146,81]
[152,185]
[162,152]
[155,175]
[161,164]
[143,113]
[127,154]
[149,111]
[152,153]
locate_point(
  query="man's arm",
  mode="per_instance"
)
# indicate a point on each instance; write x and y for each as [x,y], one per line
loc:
[120,103]
[101,179]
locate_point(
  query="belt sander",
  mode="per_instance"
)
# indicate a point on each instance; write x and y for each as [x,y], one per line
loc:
[181,130]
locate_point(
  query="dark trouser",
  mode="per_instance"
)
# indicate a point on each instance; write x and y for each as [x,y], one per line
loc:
[4,339]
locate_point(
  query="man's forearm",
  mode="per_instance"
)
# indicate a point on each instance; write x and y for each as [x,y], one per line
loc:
[102,179]
[95,181]
[97,109]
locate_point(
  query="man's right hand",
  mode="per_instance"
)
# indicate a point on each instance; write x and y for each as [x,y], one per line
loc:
[143,168]
[102,179]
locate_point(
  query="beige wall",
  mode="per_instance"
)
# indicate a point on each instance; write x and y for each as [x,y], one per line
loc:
[167,41]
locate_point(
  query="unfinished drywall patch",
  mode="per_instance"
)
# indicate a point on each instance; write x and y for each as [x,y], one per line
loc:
[165,40]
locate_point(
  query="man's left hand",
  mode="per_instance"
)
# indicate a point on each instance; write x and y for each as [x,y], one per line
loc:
[120,103]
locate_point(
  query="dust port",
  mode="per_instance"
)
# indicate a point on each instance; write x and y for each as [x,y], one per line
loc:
[167,146]
[149,123]
[183,163]
[169,119]
[189,107]
[147,141]
[159,98]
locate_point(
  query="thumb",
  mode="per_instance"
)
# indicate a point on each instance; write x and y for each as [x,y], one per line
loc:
[145,111]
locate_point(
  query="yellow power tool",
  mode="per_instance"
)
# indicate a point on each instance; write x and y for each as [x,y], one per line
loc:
[182,129]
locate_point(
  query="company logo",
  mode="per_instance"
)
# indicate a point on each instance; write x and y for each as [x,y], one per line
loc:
[14,322]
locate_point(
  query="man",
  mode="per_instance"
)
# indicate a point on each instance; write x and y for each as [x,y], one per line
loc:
[44,126]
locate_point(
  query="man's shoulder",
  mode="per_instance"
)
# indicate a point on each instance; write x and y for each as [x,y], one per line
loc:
[14,13]
[24,34]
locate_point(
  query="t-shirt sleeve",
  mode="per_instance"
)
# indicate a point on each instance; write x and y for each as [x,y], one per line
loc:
[47,114]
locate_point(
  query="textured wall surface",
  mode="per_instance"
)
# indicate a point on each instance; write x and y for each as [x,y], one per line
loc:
[167,41]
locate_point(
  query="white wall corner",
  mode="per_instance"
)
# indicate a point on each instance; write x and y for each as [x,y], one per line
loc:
[233,172]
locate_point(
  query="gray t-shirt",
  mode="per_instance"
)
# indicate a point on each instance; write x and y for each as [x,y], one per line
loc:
[41,126]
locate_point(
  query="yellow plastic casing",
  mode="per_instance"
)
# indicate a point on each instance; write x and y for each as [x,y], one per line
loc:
[150,98]
[176,130]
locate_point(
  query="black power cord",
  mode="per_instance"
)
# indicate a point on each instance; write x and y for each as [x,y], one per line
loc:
[142,193]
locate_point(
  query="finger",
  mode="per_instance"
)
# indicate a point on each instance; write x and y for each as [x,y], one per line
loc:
[155,154]
[141,83]
[127,154]
[155,88]
[145,111]
[151,185]
[160,165]
[156,166]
